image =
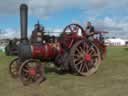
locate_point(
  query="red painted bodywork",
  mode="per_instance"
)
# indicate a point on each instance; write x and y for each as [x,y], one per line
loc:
[47,51]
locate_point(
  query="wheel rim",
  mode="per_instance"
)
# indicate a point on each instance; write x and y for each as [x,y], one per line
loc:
[31,71]
[14,67]
[85,58]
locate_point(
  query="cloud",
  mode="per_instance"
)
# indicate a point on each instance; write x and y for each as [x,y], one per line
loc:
[9,7]
[9,33]
[12,33]
[116,28]
[46,8]
[98,3]
[37,7]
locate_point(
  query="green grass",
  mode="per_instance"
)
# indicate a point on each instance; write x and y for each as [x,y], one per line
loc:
[111,79]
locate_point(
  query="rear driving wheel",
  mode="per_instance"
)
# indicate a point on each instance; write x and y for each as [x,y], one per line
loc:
[32,72]
[85,58]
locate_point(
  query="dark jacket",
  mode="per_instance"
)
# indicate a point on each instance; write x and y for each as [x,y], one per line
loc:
[91,29]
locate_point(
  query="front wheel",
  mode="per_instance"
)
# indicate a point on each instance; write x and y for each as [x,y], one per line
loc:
[31,72]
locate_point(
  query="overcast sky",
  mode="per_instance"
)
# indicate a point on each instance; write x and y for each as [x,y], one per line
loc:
[107,15]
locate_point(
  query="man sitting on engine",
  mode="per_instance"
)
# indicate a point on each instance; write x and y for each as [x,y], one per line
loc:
[37,34]
[90,30]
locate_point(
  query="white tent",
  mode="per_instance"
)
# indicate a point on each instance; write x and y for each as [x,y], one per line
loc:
[115,42]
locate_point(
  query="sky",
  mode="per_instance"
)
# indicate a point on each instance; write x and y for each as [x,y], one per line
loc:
[54,15]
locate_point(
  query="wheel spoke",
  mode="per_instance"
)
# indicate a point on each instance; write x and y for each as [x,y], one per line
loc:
[13,67]
[79,52]
[76,56]
[30,78]
[27,66]
[26,76]
[79,62]
[77,59]
[14,71]
[77,28]
[94,56]
[80,67]
[86,65]
[83,68]
[87,50]
[17,62]
[92,51]
[70,27]
[25,70]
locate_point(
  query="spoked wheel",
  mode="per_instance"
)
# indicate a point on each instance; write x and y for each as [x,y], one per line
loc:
[85,58]
[69,32]
[73,28]
[31,72]
[14,67]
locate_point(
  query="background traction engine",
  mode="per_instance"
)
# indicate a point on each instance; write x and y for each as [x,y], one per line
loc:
[71,52]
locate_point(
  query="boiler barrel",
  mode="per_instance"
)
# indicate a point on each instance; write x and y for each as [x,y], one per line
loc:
[45,52]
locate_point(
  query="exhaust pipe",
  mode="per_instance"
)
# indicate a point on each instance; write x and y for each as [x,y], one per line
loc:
[24,21]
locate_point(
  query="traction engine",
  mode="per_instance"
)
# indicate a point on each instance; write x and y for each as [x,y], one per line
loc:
[71,52]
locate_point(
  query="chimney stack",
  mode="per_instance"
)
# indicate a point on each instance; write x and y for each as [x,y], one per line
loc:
[24,21]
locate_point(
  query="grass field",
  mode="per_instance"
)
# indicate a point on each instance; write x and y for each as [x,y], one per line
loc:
[110,80]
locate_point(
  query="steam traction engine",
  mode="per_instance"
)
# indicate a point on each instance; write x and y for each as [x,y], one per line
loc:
[71,52]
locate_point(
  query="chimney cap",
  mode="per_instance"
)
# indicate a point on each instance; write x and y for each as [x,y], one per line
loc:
[24,6]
